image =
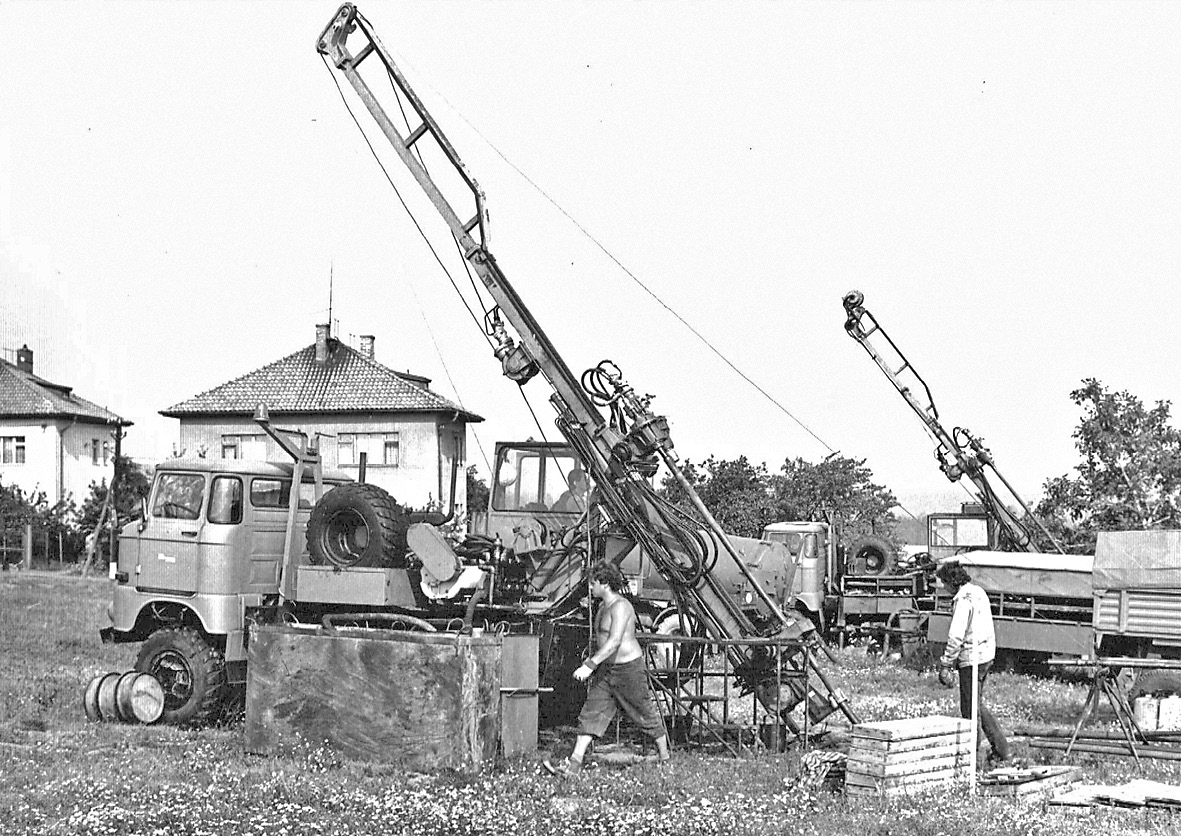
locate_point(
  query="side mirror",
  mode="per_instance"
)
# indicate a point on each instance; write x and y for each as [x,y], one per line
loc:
[143,513]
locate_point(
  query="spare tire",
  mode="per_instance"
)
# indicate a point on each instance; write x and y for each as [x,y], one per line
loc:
[869,556]
[1153,682]
[358,525]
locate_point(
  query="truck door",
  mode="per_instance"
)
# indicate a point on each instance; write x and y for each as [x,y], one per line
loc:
[269,498]
[169,544]
[224,538]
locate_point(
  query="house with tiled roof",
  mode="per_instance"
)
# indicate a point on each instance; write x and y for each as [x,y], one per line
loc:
[412,438]
[52,439]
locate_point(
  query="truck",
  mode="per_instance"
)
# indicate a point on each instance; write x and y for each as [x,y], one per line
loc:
[221,544]
[1037,606]
[1118,602]
[850,591]
[1136,587]
[368,558]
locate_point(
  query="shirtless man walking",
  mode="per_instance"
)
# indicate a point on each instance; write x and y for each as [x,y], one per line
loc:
[618,679]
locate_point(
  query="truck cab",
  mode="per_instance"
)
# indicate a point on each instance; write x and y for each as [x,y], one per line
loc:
[535,500]
[953,533]
[208,551]
[212,543]
[813,553]
[531,493]
[532,505]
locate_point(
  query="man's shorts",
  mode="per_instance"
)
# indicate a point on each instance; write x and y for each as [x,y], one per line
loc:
[623,686]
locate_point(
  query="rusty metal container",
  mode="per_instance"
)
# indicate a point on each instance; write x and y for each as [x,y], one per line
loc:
[519,696]
[427,701]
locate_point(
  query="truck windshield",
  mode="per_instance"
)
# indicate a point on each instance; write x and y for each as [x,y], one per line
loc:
[801,544]
[179,496]
[532,480]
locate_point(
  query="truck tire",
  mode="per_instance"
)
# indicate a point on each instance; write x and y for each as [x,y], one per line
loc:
[357,525]
[1155,683]
[666,658]
[870,556]
[191,672]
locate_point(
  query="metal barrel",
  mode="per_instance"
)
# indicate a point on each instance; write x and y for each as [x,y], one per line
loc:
[105,698]
[90,697]
[139,698]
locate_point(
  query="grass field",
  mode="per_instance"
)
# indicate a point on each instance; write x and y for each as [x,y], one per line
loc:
[60,774]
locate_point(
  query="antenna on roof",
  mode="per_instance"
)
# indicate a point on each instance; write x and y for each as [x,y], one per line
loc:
[330,295]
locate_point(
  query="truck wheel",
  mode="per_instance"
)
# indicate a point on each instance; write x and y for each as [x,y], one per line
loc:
[1155,682]
[191,672]
[357,525]
[870,556]
[665,658]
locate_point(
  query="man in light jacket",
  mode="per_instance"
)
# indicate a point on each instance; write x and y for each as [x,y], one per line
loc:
[971,641]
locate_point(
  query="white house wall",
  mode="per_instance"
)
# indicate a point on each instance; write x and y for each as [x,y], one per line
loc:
[57,459]
[77,467]
[418,479]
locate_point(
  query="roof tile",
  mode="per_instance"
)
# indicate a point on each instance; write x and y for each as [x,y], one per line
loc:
[347,382]
[25,395]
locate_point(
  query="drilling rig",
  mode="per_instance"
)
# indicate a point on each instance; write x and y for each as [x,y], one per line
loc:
[617,438]
[959,453]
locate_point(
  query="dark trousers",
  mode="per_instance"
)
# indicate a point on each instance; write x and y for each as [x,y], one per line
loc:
[992,731]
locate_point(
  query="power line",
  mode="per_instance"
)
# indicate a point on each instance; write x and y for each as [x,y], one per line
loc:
[716,351]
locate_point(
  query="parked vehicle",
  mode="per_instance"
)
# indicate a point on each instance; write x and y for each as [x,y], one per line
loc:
[214,551]
[379,557]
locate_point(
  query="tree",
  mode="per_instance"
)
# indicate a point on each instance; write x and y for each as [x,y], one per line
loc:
[736,492]
[744,497]
[1130,473]
[132,484]
[840,488]
[477,491]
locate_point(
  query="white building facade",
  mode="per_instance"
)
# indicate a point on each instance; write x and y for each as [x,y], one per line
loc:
[414,441]
[52,440]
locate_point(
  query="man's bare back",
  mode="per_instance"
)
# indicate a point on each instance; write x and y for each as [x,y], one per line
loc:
[617,620]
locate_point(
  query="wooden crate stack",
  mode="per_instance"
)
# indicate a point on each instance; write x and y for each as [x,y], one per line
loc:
[902,756]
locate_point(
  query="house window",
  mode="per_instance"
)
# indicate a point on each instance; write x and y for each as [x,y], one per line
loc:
[94,450]
[253,447]
[12,449]
[381,449]
[106,452]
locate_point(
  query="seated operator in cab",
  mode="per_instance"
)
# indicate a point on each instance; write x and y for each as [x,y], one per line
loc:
[573,499]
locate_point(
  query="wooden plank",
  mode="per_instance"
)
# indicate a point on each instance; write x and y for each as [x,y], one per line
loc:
[877,756]
[868,743]
[859,779]
[911,728]
[1043,779]
[889,786]
[908,767]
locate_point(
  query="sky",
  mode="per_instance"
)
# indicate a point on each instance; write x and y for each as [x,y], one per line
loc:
[178,182]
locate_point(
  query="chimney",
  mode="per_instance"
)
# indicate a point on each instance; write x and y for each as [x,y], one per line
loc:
[24,358]
[367,346]
[322,343]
